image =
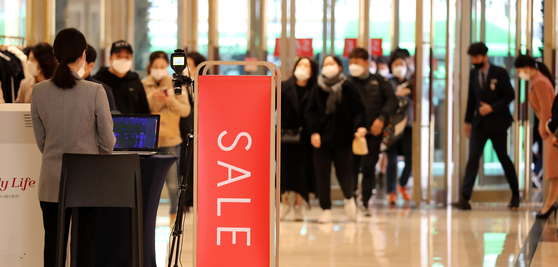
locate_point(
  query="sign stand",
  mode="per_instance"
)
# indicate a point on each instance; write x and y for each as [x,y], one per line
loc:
[236,167]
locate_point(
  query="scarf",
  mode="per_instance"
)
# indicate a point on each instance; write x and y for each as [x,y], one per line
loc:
[333,86]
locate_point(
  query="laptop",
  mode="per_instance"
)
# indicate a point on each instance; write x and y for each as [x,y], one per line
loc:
[136,134]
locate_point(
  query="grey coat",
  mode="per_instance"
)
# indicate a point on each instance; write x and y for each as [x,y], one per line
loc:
[76,120]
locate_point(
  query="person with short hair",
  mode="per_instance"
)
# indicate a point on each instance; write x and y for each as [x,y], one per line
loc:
[41,63]
[383,67]
[163,101]
[129,94]
[85,73]
[487,117]
[334,115]
[541,98]
[69,115]
[380,103]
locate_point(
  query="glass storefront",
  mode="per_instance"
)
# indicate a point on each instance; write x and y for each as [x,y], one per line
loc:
[12,21]
[84,15]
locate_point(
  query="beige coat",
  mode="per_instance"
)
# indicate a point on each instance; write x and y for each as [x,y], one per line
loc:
[73,120]
[25,90]
[541,97]
[177,106]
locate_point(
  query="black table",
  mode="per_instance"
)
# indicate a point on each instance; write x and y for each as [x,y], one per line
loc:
[113,238]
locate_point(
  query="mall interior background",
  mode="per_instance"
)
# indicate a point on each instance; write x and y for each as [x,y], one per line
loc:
[436,32]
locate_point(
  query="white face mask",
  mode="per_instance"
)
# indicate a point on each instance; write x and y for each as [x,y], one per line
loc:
[122,65]
[356,70]
[159,74]
[384,72]
[372,70]
[524,75]
[81,70]
[399,72]
[302,75]
[330,71]
[33,68]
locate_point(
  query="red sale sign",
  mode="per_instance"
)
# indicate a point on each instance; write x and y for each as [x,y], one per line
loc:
[234,167]
[303,48]
[350,44]
[376,47]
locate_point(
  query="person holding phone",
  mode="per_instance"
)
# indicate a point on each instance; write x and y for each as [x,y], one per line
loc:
[171,107]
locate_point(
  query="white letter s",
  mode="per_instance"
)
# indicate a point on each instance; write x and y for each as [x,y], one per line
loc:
[243,134]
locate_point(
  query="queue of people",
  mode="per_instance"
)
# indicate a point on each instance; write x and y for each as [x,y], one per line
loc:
[323,112]
[326,111]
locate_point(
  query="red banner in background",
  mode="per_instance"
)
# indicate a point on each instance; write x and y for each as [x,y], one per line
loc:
[233,182]
[303,48]
[350,44]
[376,47]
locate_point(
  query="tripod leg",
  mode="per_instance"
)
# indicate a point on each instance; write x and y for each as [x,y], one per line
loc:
[178,225]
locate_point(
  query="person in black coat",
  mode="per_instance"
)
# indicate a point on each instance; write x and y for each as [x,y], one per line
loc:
[129,94]
[333,115]
[380,103]
[296,160]
[488,117]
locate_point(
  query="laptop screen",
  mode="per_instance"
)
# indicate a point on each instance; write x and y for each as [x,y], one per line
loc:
[136,132]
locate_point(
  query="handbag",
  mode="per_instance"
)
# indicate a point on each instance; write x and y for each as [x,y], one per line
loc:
[291,136]
[395,125]
[360,146]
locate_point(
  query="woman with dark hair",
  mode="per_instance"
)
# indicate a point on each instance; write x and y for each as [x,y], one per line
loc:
[541,96]
[404,146]
[296,163]
[70,115]
[41,63]
[171,107]
[193,59]
[333,114]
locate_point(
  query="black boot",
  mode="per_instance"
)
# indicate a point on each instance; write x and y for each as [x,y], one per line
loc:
[462,204]
[515,200]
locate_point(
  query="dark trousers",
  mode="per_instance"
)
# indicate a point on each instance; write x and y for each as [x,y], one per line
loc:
[367,165]
[342,156]
[404,146]
[476,148]
[87,227]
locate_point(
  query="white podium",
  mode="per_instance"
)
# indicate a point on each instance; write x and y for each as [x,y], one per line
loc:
[21,224]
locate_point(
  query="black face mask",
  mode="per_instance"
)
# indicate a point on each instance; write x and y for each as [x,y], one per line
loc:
[478,66]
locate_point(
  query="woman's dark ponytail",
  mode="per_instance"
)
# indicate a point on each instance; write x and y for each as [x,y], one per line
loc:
[523,61]
[68,47]
[546,72]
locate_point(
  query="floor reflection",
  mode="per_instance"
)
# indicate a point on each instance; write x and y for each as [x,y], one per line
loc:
[390,237]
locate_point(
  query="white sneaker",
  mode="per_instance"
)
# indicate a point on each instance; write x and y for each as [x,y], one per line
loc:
[351,208]
[325,217]
[298,213]
[284,210]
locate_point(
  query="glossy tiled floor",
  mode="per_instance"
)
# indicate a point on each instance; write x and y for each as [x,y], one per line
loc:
[395,237]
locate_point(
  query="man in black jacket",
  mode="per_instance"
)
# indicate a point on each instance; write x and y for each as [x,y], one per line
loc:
[85,73]
[380,103]
[126,85]
[488,117]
